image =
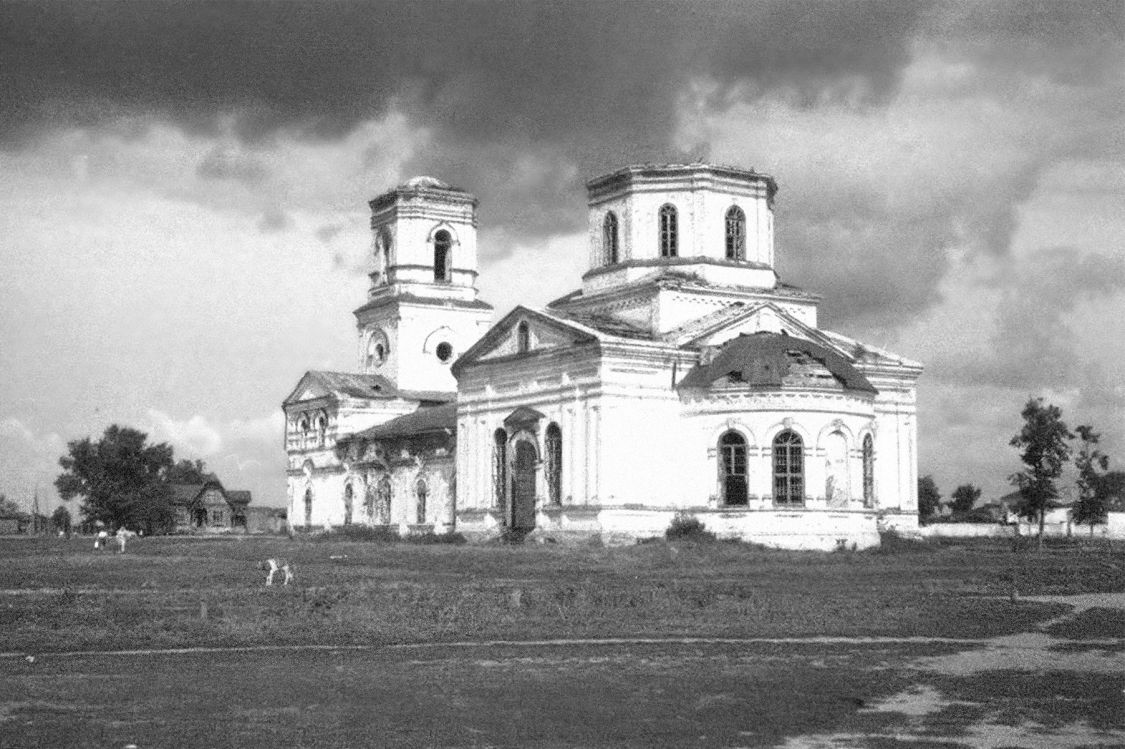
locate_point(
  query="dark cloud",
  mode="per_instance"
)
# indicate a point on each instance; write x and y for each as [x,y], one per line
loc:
[591,84]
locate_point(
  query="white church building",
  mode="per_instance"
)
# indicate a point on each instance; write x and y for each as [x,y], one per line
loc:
[682,378]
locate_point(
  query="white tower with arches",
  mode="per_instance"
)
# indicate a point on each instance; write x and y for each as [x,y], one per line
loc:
[422,310]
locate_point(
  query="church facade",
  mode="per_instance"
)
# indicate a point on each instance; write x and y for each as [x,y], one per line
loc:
[682,378]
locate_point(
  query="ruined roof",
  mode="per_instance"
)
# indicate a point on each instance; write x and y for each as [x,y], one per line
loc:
[605,324]
[368,386]
[426,420]
[764,359]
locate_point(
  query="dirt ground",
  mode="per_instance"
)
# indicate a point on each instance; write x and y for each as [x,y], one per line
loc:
[1045,668]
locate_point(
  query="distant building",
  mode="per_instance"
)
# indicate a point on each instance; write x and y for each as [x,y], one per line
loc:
[209,508]
[683,377]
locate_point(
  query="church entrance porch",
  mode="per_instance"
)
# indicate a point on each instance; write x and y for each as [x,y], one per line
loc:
[522,518]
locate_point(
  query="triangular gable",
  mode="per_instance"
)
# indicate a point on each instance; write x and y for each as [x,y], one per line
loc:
[523,416]
[545,331]
[310,387]
[756,318]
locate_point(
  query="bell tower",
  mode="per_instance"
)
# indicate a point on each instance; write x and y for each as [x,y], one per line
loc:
[422,310]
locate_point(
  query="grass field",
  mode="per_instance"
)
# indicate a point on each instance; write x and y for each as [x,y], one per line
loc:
[842,649]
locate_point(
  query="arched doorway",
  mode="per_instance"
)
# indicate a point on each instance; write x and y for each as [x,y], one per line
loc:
[523,486]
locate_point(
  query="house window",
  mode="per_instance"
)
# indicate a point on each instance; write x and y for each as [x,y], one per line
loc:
[554,464]
[217,517]
[668,231]
[499,466]
[383,502]
[788,469]
[421,491]
[732,468]
[736,234]
[523,338]
[308,507]
[868,471]
[443,255]
[348,496]
[609,238]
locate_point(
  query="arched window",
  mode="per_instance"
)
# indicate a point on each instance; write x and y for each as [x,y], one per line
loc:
[376,352]
[499,466]
[788,469]
[383,254]
[868,471]
[554,464]
[383,501]
[736,234]
[732,468]
[609,238]
[308,507]
[369,501]
[668,231]
[421,491]
[348,496]
[523,338]
[443,256]
[321,428]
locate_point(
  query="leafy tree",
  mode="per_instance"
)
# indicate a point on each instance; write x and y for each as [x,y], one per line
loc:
[60,520]
[11,509]
[929,498]
[1112,487]
[1092,465]
[964,497]
[187,472]
[1044,450]
[120,478]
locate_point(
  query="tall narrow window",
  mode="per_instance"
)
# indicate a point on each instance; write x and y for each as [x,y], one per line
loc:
[609,238]
[732,468]
[308,507]
[868,471]
[499,466]
[421,491]
[554,464]
[788,469]
[668,231]
[736,234]
[348,497]
[321,429]
[523,338]
[369,501]
[443,255]
[383,501]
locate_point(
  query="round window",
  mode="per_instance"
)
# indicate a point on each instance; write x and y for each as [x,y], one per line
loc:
[444,351]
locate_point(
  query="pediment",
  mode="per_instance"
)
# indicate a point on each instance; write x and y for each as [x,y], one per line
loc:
[309,388]
[760,318]
[524,416]
[524,331]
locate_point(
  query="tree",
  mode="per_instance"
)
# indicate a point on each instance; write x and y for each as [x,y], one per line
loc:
[121,479]
[187,472]
[10,509]
[60,520]
[1044,451]
[929,498]
[964,497]
[1092,465]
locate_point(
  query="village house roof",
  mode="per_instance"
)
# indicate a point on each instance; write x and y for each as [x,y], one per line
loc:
[764,359]
[186,494]
[426,420]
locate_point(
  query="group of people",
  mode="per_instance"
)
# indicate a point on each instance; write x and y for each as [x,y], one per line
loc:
[101,540]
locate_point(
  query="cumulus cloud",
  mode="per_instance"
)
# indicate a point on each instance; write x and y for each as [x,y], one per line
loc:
[194,435]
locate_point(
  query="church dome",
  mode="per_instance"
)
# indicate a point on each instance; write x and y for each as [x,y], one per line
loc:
[776,360]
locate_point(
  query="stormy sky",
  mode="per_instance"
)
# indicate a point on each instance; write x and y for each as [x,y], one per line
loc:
[183,193]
